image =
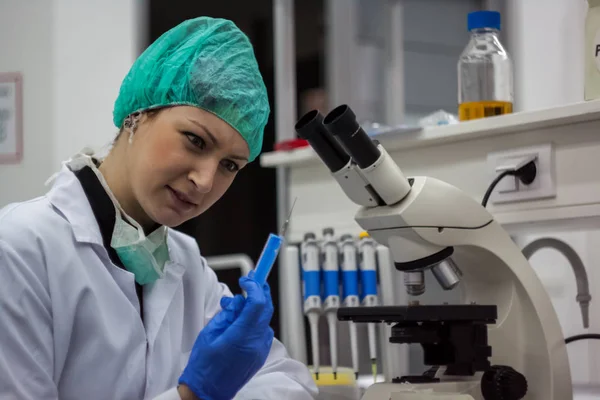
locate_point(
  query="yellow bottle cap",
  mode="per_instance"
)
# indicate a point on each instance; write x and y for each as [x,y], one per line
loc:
[363,234]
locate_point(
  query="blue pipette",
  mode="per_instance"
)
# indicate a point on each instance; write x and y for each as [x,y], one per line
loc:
[267,258]
[270,251]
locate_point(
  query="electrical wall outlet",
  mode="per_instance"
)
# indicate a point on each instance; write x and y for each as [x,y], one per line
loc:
[510,188]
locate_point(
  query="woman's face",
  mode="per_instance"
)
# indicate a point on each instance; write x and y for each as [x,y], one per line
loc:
[181,161]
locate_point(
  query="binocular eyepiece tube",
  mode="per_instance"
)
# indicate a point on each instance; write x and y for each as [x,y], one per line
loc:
[310,127]
[342,123]
[367,173]
[352,141]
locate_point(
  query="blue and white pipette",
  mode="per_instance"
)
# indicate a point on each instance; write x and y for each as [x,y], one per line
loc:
[350,291]
[331,292]
[368,280]
[270,251]
[311,284]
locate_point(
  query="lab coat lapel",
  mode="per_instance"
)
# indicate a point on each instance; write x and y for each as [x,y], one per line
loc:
[158,297]
[68,197]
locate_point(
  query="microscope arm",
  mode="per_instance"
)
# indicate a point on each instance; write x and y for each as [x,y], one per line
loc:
[431,204]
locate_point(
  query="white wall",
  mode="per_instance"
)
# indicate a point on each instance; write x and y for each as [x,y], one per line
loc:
[95,43]
[26,46]
[73,56]
[546,40]
[435,34]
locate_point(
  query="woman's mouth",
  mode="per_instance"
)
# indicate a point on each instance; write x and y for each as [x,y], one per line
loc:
[182,201]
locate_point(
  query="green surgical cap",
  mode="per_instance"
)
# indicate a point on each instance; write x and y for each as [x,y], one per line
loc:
[203,62]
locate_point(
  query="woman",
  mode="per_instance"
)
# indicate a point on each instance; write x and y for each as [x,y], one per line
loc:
[99,298]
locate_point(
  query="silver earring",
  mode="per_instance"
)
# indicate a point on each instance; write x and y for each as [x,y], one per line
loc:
[131,124]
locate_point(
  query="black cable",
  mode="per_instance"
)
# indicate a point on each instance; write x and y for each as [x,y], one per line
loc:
[495,182]
[582,337]
[526,175]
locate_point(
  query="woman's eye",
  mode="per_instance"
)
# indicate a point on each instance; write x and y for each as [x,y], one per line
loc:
[230,166]
[195,140]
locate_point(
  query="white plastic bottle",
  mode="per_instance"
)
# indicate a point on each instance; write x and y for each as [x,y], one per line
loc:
[485,71]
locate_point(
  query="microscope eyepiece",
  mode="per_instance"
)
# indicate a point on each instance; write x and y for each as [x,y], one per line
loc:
[307,125]
[341,122]
[310,127]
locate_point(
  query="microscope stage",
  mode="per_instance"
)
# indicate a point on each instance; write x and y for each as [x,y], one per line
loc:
[451,335]
[457,313]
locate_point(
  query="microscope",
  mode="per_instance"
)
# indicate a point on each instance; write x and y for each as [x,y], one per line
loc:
[504,341]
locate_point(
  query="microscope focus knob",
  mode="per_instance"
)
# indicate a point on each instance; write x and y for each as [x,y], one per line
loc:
[503,383]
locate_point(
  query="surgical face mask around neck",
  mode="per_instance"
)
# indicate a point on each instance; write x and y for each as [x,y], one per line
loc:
[143,256]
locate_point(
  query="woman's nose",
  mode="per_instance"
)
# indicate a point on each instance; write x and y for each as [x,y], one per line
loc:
[203,176]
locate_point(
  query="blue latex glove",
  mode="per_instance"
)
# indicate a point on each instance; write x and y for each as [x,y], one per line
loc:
[233,346]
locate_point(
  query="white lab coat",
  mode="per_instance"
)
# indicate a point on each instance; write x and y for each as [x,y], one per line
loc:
[69,319]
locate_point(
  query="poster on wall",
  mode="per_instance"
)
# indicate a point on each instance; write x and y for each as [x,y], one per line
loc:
[11,118]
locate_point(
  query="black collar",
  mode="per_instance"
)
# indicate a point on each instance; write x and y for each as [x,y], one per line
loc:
[102,207]
[104,211]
